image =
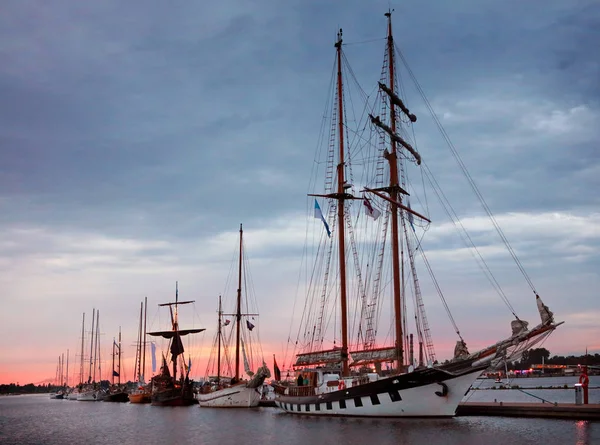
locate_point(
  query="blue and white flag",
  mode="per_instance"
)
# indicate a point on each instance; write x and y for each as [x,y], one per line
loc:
[153,348]
[319,215]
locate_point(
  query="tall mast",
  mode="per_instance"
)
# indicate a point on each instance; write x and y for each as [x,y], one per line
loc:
[81,356]
[92,345]
[62,366]
[97,358]
[112,377]
[340,216]
[238,313]
[392,159]
[219,343]
[119,368]
[175,327]
[138,351]
[67,377]
[144,347]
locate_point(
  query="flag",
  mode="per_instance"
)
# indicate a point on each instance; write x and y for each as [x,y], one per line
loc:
[226,322]
[276,369]
[250,325]
[319,215]
[370,210]
[115,373]
[153,348]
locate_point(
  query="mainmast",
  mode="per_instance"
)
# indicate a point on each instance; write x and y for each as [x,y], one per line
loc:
[81,357]
[143,376]
[392,158]
[119,366]
[238,313]
[219,343]
[340,216]
[92,345]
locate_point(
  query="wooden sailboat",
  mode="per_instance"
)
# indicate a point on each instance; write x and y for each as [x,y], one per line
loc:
[348,378]
[116,392]
[234,392]
[142,393]
[167,390]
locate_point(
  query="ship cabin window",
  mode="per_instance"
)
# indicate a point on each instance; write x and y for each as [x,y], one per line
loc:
[358,402]
[342,404]
[375,399]
[395,396]
[328,404]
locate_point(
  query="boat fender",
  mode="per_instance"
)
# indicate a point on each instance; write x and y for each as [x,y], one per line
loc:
[444,391]
[341,385]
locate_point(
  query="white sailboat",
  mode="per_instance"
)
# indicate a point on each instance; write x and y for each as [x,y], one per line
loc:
[234,392]
[348,378]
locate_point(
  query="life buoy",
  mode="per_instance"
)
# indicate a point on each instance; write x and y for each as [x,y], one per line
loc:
[341,385]
[584,379]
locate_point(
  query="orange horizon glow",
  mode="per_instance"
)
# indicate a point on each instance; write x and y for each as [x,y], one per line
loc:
[45,373]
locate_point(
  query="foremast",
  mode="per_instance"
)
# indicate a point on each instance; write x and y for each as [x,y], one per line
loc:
[238,312]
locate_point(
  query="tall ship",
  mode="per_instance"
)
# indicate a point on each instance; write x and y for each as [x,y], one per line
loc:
[364,346]
[117,391]
[228,388]
[167,388]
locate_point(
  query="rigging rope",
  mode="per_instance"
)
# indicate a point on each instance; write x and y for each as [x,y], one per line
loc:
[466,173]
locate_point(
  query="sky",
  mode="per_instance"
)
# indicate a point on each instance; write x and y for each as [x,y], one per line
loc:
[135,138]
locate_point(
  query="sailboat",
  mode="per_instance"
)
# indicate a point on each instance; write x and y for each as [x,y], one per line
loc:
[75,391]
[167,390]
[59,394]
[361,373]
[233,391]
[142,393]
[116,392]
[91,391]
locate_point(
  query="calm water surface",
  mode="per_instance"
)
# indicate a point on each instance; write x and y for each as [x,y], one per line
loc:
[35,419]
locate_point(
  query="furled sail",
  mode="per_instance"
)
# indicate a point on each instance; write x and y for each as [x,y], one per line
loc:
[246,365]
[376,121]
[373,356]
[397,101]
[319,357]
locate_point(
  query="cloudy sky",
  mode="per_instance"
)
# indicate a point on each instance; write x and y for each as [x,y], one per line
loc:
[135,137]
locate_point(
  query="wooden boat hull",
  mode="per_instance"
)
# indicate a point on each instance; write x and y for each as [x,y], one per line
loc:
[119,397]
[173,397]
[238,396]
[141,397]
[418,394]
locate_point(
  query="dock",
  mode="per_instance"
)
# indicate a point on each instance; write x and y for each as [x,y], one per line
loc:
[542,410]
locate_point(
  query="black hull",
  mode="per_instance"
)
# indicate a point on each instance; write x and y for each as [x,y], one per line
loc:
[119,397]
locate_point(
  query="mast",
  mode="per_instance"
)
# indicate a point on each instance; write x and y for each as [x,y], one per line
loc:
[238,313]
[112,378]
[392,159]
[175,328]
[340,217]
[81,357]
[119,365]
[138,351]
[92,345]
[97,358]
[219,343]
[67,377]
[144,347]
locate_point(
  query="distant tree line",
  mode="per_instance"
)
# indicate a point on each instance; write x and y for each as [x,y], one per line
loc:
[538,355]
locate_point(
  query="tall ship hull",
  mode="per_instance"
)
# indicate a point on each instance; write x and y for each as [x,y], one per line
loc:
[427,393]
[119,397]
[173,397]
[237,396]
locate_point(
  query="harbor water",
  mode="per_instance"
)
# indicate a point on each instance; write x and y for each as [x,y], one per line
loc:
[36,419]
